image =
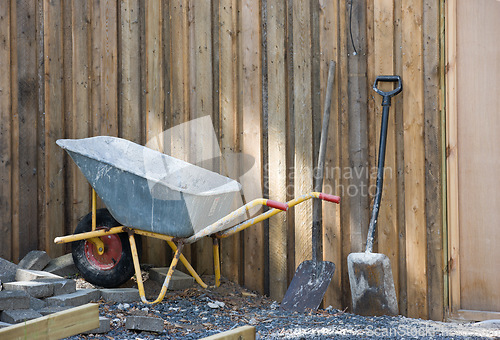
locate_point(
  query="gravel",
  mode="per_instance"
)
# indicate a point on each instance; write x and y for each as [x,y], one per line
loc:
[196,313]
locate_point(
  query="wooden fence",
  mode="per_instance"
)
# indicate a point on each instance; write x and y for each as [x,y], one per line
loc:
[130,68]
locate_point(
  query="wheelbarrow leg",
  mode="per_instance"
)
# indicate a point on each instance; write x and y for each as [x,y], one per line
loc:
[138,273]
[216,261]
[188,266]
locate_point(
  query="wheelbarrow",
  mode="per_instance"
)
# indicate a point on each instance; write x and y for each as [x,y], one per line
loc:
[152,194]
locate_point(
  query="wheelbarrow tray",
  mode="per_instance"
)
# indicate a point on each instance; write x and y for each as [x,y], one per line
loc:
[151,191]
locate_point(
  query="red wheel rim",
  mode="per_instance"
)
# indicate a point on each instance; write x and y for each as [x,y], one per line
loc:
[112,252]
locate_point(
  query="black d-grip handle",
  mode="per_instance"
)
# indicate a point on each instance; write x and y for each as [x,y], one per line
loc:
[387,95]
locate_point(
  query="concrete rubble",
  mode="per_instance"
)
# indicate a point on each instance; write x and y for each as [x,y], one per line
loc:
[38,286]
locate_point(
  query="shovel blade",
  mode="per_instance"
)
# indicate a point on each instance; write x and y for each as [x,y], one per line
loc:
[372,284]
[308,286]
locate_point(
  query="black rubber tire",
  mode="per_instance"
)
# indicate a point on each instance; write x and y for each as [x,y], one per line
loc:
[121,271]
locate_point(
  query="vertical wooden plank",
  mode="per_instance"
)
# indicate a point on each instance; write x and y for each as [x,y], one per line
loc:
[228,86]
[67,20]
[413,105]
[290,152]
[251,138]
[155,249]
[344,136]
[166,60]
[453,259]
[96,80]
[477,95]
[433,156]
[130,84]
[42,225]
[277,145]
[179,70]
[5,133]
[54,124]
[179,82]
[332,246]
[15,133]
[27,108]
[372,117]
[80,200]
[202,105]
[388,240]
[109,67]
[358,137]
[303,163]
[397,102]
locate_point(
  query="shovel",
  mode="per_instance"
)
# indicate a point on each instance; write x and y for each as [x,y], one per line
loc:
[312,278]
[370,274]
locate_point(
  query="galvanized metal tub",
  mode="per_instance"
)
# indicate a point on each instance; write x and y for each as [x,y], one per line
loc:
[151,191]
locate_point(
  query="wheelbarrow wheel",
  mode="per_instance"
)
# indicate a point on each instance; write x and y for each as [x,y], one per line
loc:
[115,266]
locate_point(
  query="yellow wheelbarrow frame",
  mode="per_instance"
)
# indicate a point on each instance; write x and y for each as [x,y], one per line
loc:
[220,229]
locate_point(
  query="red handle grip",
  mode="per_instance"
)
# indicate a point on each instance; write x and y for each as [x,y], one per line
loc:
[277,205]
[330,198]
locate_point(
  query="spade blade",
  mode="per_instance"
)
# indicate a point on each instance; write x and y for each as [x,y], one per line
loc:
[308,286]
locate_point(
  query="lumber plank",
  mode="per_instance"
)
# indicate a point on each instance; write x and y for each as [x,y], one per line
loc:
[56,326]
[54,125]
[277,146]
[155,249]
[387,233]
[303,163]
[5,133]
[202,105]
[130,81]
[433,156]
[109,67]
[240,333]
[414,145]
[228,79]
[332,246]
[251,136]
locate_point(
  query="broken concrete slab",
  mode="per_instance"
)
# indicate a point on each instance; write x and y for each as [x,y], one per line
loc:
[61,286]
[179,280]
[62,266]
[52,309]
[144,323]
[31,275]
[37,304]
[35,260]
[19,315]
[120,294]
[78,298]
[95,294]
[14,299]
[7,270]
[104,326]
[33,288]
